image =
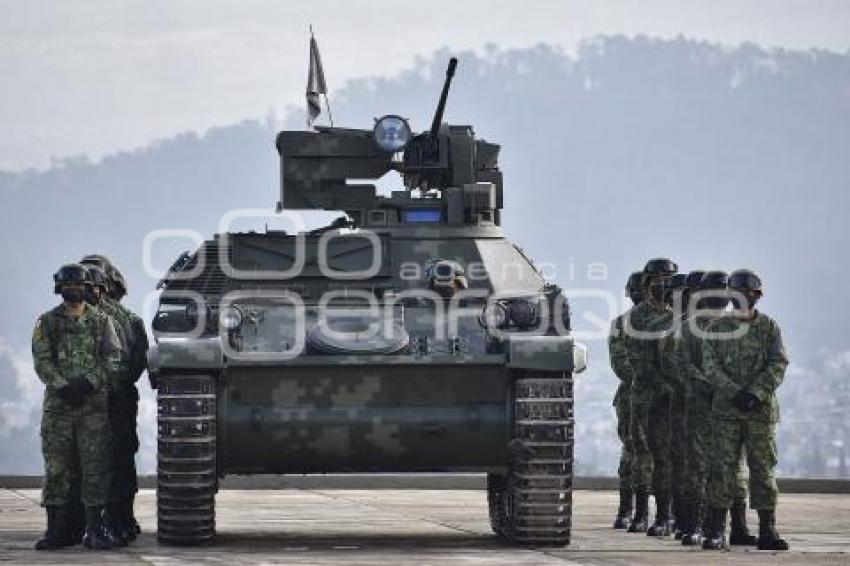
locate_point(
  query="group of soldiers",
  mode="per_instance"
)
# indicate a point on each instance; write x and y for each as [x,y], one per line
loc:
[89,351]
[699,366]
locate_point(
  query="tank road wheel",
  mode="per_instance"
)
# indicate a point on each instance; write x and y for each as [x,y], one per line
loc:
[533,504]
[186,459]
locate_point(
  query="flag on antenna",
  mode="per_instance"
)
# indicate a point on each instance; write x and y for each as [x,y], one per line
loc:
[315,83]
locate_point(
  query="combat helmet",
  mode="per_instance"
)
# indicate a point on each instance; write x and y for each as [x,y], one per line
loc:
[98,277]
[713,286]
[634,282]
[694,278]
[634,287]
[660,267]
[99,260]
[677,281]
[744,280]
[119,284]
[713,280]
[70,273]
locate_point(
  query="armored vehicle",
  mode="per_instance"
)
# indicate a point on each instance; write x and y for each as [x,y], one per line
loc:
[407,336]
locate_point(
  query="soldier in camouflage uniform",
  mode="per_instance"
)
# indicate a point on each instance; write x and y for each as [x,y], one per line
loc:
[682,352]
[75,507]
[123,404]
[745,359]
[650,424]
[623,369]
[677,294]
[74,348]
[680,355]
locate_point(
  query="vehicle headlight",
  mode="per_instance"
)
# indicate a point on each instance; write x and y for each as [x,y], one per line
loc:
[523,313]
[392,133]
[230,318]
[494,315]
[579,358]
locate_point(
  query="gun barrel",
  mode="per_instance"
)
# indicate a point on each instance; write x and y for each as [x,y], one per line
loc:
[441,106]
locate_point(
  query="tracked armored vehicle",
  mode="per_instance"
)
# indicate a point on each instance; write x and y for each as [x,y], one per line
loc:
[408,336]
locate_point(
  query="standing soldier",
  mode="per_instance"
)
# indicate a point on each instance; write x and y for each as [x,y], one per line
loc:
[74,346]
[677,294]
[123,406]
[623,369]
[126,485]
[680,353]
[745,359]
[650,424]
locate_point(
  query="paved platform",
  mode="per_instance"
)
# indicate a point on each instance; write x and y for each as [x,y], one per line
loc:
[407,527]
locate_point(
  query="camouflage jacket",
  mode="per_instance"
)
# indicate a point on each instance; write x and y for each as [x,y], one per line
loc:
[680,356]
[644,326]
[121,331]
[65,346]
[134,341]
[751,357]
[618,354]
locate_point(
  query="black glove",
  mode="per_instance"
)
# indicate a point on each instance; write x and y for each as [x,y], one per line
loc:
[66,393]
[745,401]
[76,391]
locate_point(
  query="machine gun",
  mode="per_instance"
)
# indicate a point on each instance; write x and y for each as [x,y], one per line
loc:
[450,177]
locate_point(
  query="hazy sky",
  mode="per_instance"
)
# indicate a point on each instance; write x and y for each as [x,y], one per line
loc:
[96,76]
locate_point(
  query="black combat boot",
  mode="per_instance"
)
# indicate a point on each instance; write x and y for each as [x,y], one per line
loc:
[131,518]
[57,534]
[739,534]
[96,537]
[768,537]
[116,523]
[641,519]
[679,519]
[692,529]
[624,512]
[715,529]
[76,519]
[663,525]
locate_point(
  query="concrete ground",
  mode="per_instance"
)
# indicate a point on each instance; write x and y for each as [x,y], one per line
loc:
[401,527]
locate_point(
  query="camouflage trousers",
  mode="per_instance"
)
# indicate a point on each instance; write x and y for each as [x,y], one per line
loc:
[623,408]
[74,443]
[123,410]
[651,441]
[734,440]
[699,436]
[678,441]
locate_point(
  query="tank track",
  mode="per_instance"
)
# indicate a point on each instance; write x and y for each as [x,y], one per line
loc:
[186,459]
[533,503]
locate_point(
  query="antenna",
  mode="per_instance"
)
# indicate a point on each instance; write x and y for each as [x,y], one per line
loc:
[441,106]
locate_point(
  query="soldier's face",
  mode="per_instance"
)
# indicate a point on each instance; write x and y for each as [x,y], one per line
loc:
[93,295]
[745,301]
[73,293]
[656,289]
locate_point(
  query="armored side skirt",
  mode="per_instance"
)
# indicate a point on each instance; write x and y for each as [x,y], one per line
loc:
[365,418]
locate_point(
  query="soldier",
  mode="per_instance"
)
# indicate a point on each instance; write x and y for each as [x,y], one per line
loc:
[76,509]
[745,359]
[123,405]
[676,295]
[623,369]
[74,347]
[650,422]
[99,297]
[680,354]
